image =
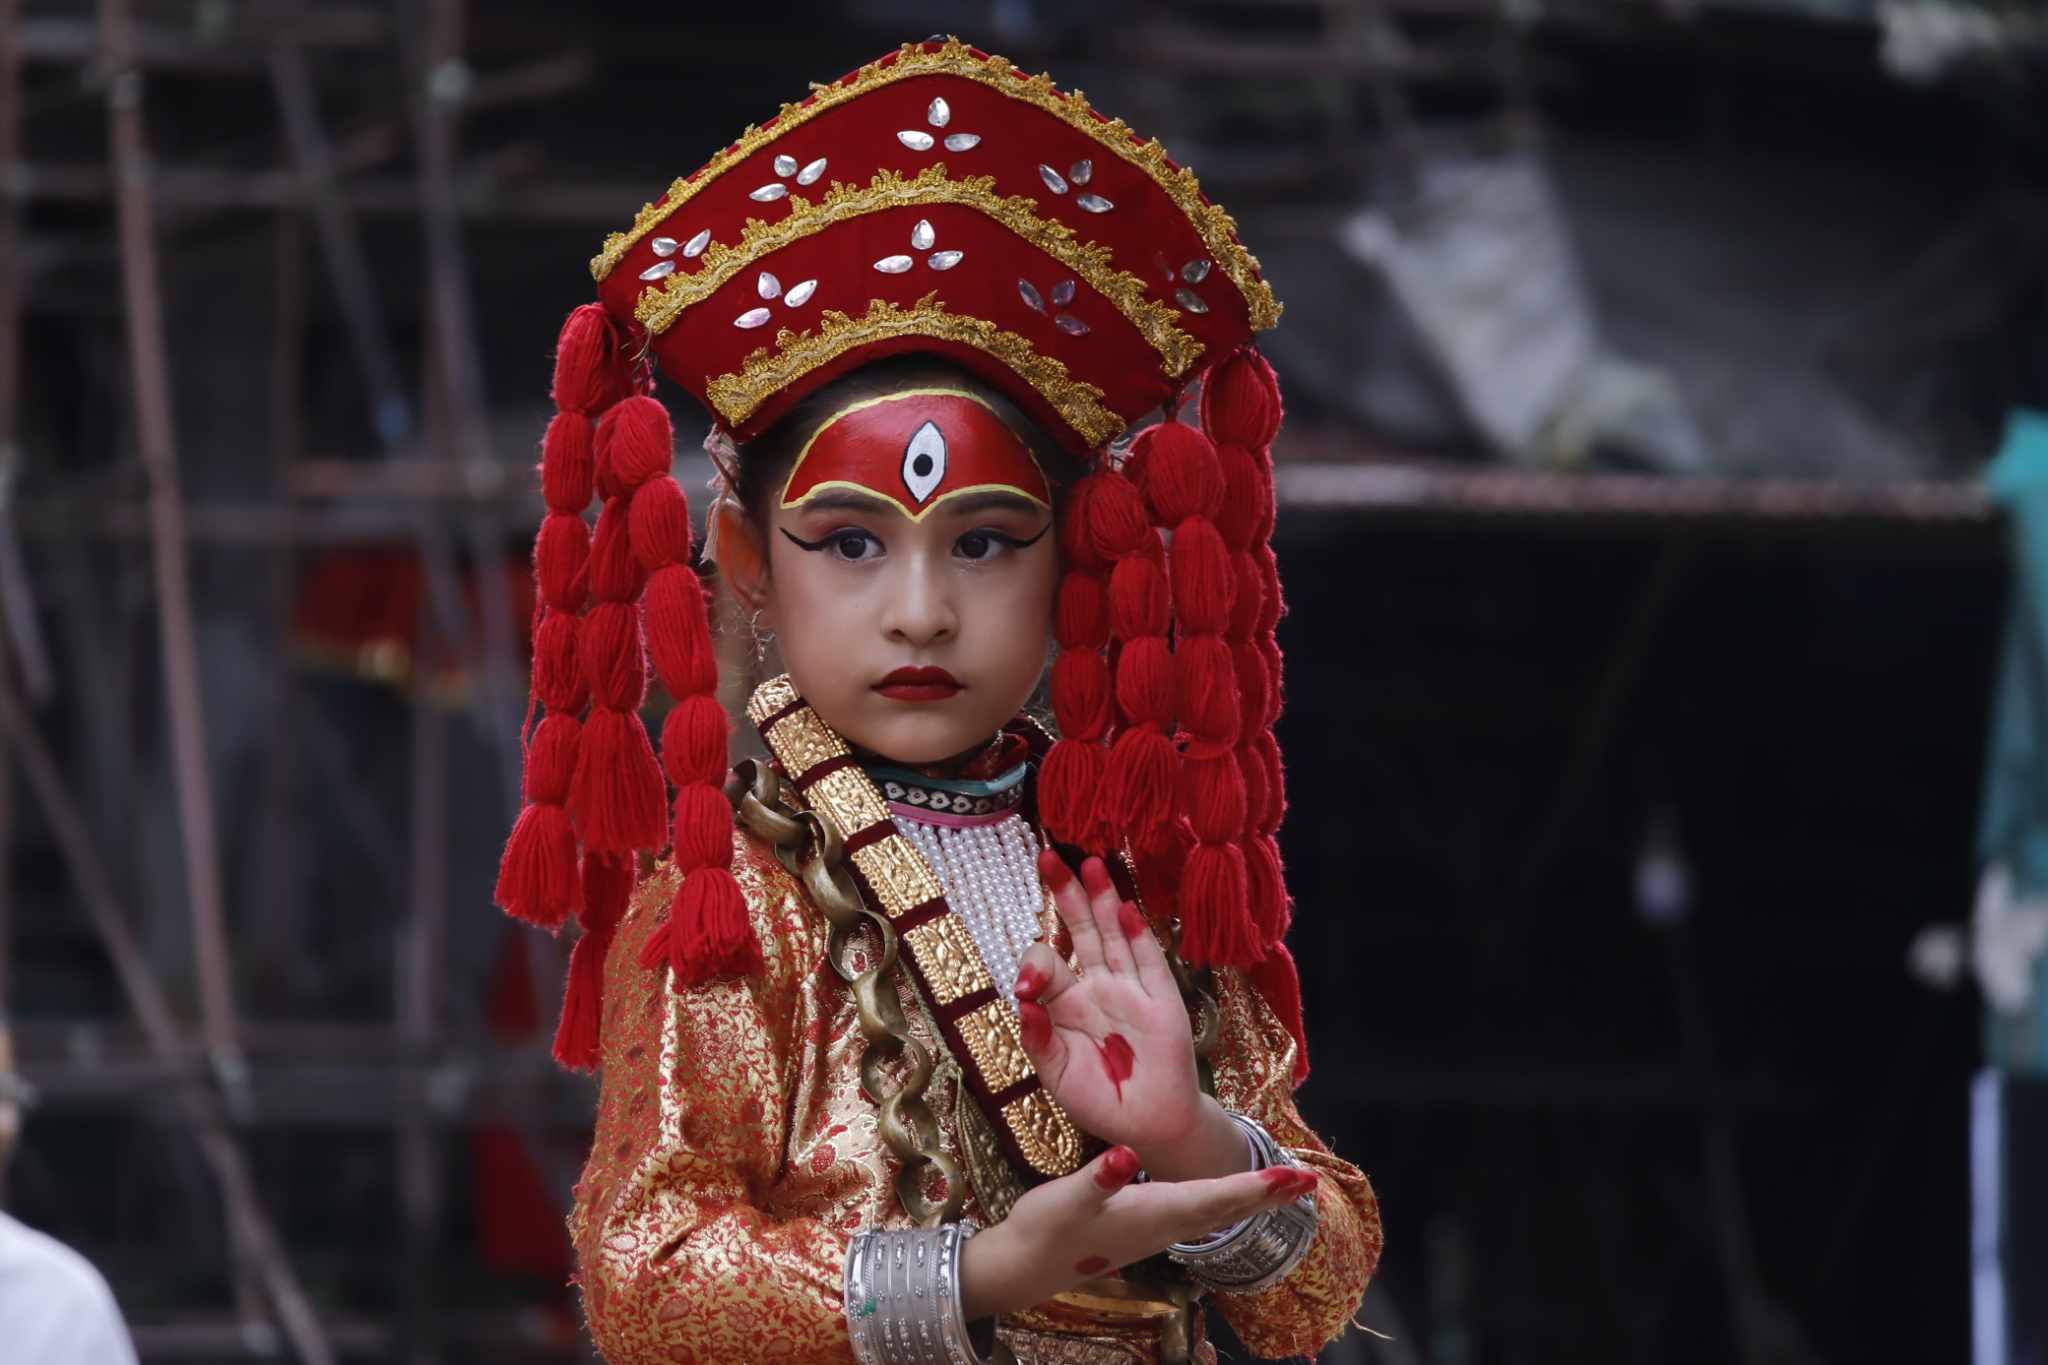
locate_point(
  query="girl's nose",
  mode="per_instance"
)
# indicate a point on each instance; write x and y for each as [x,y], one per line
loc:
[922,610]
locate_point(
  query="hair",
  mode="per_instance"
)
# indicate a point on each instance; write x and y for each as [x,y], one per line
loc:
[765,461]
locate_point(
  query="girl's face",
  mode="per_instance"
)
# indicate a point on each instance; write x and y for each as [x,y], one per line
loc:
[915,631]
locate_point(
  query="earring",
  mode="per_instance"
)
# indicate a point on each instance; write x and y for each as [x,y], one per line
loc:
[763,637]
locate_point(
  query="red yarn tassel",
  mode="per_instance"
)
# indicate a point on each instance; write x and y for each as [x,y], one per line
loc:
[1215,929]
[537,876]
[1280,982]
[618,793]
[1143,767]
[1069,785]
[576,1036]
[607,887]
[587,372]
[1241,401]
[1102,527]
[1265,888]
[1241,411]
[708,937]
[594,778]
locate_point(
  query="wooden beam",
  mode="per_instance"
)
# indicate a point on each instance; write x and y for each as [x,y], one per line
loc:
[157,445]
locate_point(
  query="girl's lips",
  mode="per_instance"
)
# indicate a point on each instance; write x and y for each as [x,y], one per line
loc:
[918,684]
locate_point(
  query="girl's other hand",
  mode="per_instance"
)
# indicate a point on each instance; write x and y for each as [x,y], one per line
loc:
[1070,1230]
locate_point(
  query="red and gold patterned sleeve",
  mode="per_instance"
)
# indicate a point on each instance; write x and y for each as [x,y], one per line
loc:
[685,1250]
[1254,1063]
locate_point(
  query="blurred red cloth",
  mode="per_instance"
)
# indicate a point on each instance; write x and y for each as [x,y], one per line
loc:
[360,608]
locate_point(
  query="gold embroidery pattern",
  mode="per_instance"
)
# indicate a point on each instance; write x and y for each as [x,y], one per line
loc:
[802,742]
[774,695]
[901,880]
[851,798]
[1217,229]
[991,1035]
[795,354]
[734,1154]
[947,957]
[660,305]
[1046,1135]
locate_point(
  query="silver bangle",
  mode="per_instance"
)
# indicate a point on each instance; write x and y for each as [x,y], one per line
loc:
[902,1297]
[1259,1251]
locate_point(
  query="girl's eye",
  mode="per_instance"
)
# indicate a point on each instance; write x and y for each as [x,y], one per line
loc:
[981,544]
[988,543]
[854,545]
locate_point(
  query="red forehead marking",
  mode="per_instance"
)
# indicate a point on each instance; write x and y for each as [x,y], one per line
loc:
[916,449]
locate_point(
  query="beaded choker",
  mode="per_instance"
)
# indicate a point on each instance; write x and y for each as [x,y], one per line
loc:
[950,795]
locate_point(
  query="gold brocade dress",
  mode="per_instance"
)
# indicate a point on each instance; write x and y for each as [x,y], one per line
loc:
[735,1157]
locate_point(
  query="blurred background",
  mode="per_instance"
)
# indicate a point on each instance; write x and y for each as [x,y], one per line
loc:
[1664,510]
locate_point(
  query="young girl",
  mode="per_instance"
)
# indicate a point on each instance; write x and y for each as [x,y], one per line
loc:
[930,1038]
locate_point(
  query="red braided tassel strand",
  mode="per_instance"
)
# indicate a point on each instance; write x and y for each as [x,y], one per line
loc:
[707,935]
[1103,524]
[618,795]
[1241,411]
[1139,785]
[607,887]
[1071,777]
[1184,486]
[537,877]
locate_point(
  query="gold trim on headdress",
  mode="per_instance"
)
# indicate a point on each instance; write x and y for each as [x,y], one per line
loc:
[660,305]
[1216,227]
[795,354]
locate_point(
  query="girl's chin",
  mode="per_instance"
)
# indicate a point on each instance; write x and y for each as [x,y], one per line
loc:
[924,735]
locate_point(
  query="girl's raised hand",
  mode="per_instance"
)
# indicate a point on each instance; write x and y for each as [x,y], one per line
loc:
[1113,1044]
[1070,1230]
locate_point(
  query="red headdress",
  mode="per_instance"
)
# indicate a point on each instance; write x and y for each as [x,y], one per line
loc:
[937,200]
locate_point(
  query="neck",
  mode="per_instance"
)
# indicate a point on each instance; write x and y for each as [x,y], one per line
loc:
[966,763]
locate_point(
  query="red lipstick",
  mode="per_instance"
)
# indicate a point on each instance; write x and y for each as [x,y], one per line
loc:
[918,684]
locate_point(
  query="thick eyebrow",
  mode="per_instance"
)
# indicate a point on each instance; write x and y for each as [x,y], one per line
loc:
[995,500]
[846,500]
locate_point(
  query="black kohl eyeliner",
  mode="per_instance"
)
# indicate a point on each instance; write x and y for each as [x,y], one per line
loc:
[816,545]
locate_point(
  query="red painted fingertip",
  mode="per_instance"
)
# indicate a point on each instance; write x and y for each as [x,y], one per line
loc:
[1117,1167]
[1032,980]
[1094,1265]
[1095,876]
[1133,923]
[1289,1181]
[1036,1023]
[1053,870]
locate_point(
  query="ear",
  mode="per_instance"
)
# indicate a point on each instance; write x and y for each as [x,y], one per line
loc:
[739,554]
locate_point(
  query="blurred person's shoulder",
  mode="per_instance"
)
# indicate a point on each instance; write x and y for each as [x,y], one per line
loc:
[54,1304]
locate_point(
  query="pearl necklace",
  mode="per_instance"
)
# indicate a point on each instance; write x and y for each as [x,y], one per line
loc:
[990,873]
